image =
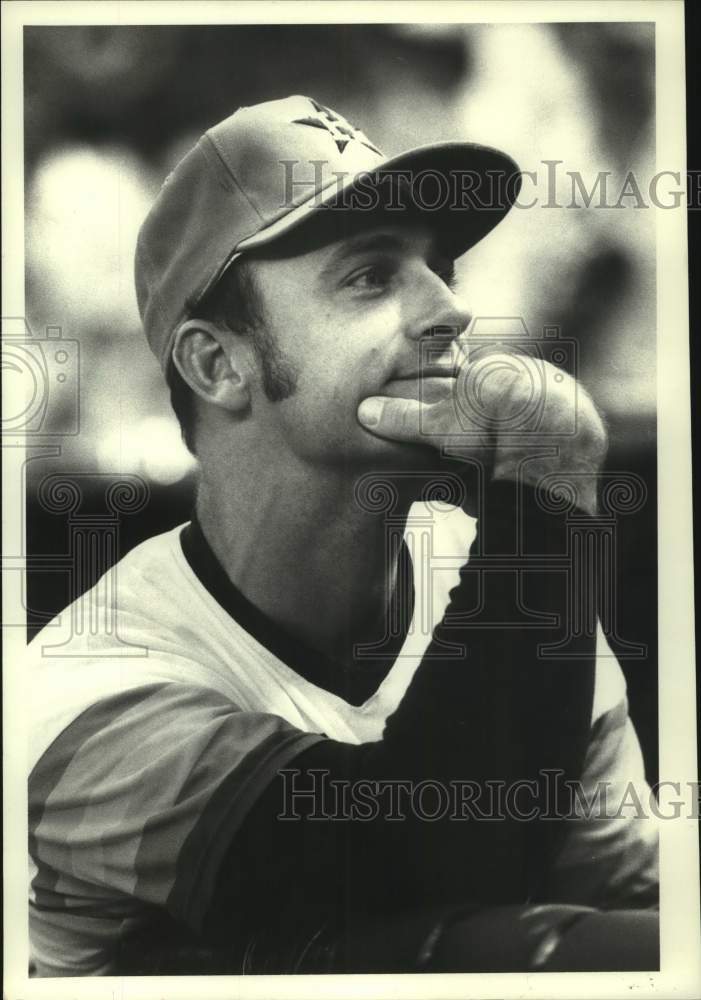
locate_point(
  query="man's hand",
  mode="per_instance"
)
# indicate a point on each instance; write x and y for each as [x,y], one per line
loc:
[518,415]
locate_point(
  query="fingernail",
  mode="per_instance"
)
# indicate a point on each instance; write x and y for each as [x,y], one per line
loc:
[370,411]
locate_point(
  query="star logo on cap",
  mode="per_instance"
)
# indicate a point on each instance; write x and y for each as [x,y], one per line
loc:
[340,130]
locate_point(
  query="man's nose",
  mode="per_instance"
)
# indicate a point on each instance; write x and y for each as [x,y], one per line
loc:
[445,317]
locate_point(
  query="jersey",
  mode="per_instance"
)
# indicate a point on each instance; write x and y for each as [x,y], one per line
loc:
[159,717]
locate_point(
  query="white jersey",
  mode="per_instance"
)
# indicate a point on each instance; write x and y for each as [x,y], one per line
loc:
[150,700]
[150,619]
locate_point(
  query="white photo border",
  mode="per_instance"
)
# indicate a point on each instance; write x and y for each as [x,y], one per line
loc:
[680,972]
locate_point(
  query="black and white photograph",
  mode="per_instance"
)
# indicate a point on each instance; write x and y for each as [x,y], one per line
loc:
[347,543]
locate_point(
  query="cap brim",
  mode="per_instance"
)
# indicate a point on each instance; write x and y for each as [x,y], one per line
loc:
[462,189]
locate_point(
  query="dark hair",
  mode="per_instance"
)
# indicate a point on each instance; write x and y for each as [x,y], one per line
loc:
[233,302]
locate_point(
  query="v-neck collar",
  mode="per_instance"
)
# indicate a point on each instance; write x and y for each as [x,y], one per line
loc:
[355,684]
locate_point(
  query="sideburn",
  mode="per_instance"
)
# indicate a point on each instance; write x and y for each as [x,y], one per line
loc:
[279,375]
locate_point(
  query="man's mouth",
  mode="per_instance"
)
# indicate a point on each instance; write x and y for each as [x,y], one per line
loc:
[428,385]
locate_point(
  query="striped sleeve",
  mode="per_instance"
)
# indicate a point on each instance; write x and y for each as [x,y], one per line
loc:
[139,798]
[610,857]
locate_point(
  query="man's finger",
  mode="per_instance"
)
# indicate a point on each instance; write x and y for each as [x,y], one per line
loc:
[395,417]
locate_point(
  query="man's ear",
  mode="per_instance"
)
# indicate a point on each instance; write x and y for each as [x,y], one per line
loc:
[205,356]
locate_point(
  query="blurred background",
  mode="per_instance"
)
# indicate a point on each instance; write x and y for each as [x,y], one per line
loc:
[110,110]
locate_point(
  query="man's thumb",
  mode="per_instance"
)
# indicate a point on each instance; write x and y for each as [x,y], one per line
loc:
[392,417]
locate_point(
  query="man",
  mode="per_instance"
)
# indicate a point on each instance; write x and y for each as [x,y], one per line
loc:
[217,777]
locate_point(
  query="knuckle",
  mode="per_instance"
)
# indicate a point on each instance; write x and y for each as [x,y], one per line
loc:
[404,416]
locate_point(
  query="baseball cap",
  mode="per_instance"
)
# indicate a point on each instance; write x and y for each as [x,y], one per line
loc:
[271,168]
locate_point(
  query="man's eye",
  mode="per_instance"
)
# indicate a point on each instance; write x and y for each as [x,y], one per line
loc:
[371,279]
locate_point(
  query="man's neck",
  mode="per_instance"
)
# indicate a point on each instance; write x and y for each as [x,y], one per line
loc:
[304,551]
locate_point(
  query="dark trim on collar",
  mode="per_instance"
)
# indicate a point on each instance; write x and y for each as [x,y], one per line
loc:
[354,684]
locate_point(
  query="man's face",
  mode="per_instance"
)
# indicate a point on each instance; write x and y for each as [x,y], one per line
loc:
[369,314]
